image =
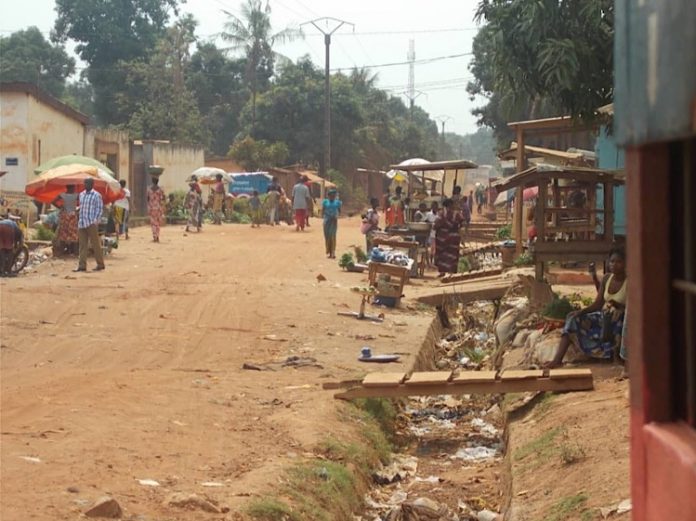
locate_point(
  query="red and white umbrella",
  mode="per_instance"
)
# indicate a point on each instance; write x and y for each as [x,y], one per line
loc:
[52,183]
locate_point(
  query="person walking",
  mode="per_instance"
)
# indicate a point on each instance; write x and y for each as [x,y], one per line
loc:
[121,211]
[300,203]
[194,206]
[91,207]
[331,209]
[447,238]
[273,194]
[155,207]
[218,199]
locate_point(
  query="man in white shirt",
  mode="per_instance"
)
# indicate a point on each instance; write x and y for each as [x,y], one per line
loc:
[121,211]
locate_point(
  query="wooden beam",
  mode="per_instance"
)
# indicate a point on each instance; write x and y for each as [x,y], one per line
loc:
[540,223]
[491,292]
[609,211]
[459,388]
[518,218]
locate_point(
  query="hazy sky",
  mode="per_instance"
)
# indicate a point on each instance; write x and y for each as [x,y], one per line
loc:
[383,29]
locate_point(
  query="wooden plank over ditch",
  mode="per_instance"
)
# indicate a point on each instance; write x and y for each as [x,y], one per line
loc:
[383,379]
[428,383]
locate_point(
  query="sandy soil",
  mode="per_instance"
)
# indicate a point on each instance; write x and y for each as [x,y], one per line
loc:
[135,372]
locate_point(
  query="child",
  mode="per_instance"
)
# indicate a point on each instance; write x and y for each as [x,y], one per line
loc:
[431,217]
[255,205]
[370,223]
[419,216]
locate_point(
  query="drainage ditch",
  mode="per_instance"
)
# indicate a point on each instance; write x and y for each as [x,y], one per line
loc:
[450,462]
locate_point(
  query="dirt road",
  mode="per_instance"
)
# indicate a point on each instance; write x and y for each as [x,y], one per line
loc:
[135,373]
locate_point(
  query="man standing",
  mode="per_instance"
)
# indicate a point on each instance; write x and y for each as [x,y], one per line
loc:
[91,208]
[274,191]
[300,203]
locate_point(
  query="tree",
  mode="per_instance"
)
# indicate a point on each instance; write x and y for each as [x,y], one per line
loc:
[252,34]
[542,58]
[158,100]
[217,83]
[258,155]
[478,147]
[80,95]
[108,33]
[28,56]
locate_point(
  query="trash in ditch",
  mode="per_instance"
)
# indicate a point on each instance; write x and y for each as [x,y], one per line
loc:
[475,453]
[420,509]
[483,427]
[621,508]
[148,483]
[401,468]
[430,479]
[487,515]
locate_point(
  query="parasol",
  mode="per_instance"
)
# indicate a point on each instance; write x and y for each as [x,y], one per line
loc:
[72,159]
[50,184]
[206,175]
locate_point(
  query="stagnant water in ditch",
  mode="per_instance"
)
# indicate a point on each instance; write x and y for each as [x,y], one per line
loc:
[450,462]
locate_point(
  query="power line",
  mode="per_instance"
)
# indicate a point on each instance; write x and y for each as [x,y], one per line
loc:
[423,61]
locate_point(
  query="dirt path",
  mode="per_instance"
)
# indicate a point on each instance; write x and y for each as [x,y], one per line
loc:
[135,372]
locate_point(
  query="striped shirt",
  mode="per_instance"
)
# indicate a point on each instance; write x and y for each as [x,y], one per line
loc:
[91,208]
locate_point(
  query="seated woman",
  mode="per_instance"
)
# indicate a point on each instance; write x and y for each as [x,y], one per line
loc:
[584,327]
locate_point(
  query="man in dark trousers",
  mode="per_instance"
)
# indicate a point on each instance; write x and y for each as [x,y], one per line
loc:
[91,208]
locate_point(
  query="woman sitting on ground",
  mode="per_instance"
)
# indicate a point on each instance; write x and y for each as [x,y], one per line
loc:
[597,328]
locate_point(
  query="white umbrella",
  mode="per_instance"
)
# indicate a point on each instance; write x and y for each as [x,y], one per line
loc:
[401,175]
[207,175]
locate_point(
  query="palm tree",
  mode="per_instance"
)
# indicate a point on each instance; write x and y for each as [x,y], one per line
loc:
[252,33]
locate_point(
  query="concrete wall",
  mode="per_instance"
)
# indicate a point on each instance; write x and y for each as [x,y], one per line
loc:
[105,143]
[33,132]
[14,140]
[178,162]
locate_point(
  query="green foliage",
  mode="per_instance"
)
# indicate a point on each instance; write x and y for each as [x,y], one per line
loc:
[80,95]
[241,205]
[108,33]
[380,410]
[360,255]
[43,233]
[271,509]
[541,447]
[175,204]
[27,56]
[252,34]
[237,218]
[217,83]
[504,232]
[478,147]
[535,59]
[568,506]
[463,266]
[558,308]
[159,103]
[346,261]
[256,155]
[525,259]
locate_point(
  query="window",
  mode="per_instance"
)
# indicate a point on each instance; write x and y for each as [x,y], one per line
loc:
[683,273]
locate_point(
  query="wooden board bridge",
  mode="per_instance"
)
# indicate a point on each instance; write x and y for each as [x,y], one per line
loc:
[428,383]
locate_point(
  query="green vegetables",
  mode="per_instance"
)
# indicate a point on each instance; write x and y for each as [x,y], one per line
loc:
[504,232]
[346,261]
[558,308]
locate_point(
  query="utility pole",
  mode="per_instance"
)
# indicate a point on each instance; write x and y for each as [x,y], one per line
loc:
[327,31]
[411,57]
[443,120]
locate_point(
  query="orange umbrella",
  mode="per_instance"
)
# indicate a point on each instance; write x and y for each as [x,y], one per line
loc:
[49,185]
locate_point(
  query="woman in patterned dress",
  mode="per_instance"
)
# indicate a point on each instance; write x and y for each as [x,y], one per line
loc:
[447,238]
[155,207]
[67,218]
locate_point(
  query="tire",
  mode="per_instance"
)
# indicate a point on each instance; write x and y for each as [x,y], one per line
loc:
[21,259]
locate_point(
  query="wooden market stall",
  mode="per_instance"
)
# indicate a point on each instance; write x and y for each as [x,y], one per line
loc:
[436,172]
[570,224]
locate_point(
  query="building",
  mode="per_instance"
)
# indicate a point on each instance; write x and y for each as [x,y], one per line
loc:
[655,122]
[35,127]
